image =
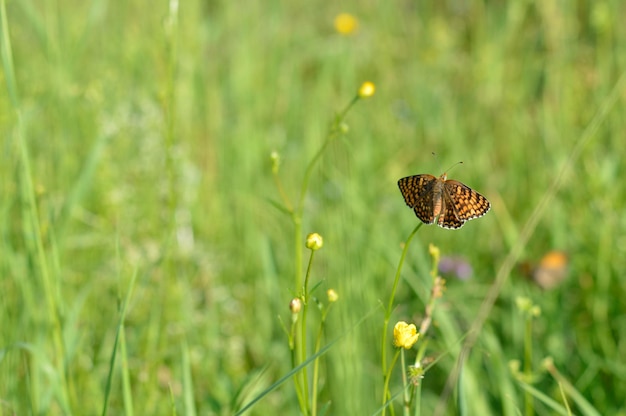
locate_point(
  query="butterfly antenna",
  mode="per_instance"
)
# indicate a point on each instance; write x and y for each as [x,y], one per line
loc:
[457,163]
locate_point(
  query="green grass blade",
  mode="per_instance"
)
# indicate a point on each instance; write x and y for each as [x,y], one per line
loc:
[118,335]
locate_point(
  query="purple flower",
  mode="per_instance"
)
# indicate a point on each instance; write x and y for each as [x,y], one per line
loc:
[456,266]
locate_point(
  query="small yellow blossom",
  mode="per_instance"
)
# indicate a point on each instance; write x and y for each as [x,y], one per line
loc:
[295,305]
[346,24]
[367,89]
[434,252]
[332,295]
[314,241]
[404,335]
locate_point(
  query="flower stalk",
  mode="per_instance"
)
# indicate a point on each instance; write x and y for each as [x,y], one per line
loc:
[297,336]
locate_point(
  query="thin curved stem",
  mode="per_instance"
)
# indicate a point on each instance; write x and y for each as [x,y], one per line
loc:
[387,379]
[390,304]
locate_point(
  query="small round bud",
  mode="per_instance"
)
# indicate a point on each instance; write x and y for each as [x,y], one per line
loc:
[295,305]
[314,241]
[515,366]
[548,363]
[332,295]
[523,303]
[367,89]
[535,311]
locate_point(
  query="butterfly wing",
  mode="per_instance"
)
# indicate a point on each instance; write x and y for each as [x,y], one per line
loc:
[418,194]
[466,202]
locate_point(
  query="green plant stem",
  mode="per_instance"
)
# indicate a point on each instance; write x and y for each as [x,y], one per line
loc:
[316,367]
[390,304]
[316,363]
[281,191]
[387,379]
[564,384]
[343,113]
[299,354]
[407,399]
[417,399]
[296,378]
[297,239]
[430,306]
[528,356]
[7,58]
[301,346]
[118,336]
[39,256]
[170,107]
[297,215]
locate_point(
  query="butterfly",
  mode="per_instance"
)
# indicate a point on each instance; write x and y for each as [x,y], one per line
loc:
[448,202]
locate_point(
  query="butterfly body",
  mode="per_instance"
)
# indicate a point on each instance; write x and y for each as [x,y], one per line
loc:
[448,202]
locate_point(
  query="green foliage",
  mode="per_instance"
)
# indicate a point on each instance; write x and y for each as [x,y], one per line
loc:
[136,141]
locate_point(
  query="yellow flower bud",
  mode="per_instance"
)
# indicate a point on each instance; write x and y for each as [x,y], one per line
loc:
[367,89]
[404,335]
[314,241]
[332,295]
[434,252]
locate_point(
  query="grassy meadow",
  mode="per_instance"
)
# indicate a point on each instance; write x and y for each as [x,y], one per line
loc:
[150,244]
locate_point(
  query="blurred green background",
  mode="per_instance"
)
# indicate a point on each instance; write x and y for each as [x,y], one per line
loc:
[136,139]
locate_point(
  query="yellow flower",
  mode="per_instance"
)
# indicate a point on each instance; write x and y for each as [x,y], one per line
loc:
[346,24]
[367,89]
[332,295]
[314,241]
[404,335]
